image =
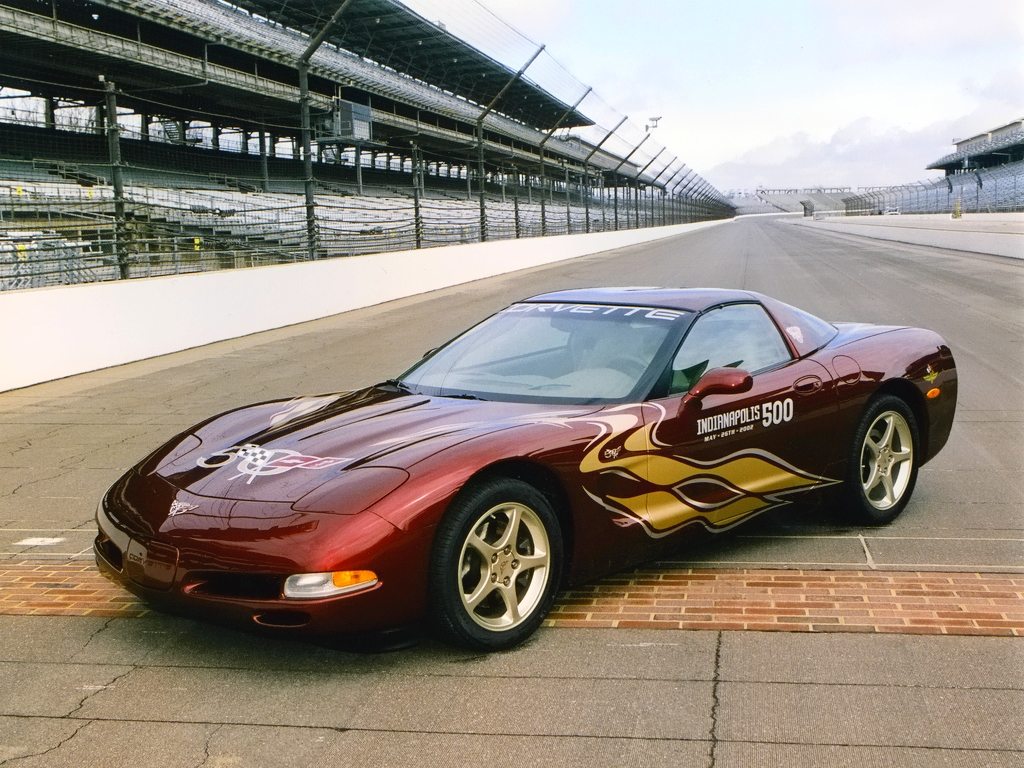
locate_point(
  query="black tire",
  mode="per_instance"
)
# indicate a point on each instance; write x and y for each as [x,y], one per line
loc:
[489,597]
[880,476]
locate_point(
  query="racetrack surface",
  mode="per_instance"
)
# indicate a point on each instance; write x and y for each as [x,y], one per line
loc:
[81,690]
[66,441]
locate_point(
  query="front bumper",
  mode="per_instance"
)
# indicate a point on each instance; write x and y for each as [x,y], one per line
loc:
[235,575]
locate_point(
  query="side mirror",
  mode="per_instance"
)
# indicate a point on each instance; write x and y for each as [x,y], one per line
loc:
[722,381]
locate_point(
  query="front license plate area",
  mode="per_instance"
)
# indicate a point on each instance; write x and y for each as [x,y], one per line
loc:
[151,565]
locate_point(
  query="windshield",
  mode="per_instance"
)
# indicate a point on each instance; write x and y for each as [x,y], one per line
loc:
[577,353]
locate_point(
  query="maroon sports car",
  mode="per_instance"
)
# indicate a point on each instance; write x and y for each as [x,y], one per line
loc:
[566,436]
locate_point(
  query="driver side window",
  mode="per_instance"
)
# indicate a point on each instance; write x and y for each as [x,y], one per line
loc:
[736,336]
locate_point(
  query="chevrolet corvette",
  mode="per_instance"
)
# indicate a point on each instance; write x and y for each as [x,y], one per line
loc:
[569,435]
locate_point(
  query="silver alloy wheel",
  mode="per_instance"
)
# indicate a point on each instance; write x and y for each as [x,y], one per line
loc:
[886,460]
[504,566]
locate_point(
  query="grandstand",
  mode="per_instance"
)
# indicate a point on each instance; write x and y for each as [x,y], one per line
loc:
[145,137]
[803,200]
[984,175]
[999,146]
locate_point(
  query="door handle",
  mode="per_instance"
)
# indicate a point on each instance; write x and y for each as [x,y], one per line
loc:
[807,385]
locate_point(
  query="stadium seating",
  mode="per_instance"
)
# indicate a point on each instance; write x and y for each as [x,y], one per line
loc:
[174,230]
[190,195]
[1004,141]
[988,190]
[790,201]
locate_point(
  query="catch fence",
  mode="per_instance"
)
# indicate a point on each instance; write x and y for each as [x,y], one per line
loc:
[61,233]
[989,190]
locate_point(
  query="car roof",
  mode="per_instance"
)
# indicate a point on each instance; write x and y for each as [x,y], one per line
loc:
[692,299]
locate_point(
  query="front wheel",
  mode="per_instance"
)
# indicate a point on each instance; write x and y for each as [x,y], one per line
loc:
[883,462]
[495,566]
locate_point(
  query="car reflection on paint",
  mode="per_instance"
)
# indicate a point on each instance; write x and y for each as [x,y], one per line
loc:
[569,435]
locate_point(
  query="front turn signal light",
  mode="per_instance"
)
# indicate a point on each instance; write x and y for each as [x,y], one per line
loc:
[343,579]
[933,393]
[309,586]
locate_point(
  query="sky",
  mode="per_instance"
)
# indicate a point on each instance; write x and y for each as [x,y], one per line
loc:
[785,94]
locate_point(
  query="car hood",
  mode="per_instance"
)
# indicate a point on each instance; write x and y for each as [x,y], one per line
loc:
[283,450]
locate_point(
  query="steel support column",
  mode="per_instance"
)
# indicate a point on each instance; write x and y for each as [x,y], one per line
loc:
[114,149]
[543,202]
[568,210]
[615,206]
[480,136]
[264,170]
[312,245]
[637,182]
[307,163]
[586,199]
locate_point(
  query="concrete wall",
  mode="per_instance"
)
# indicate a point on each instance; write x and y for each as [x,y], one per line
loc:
[49,333]
[998,234]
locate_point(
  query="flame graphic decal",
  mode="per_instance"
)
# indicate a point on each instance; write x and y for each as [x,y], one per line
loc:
[631,473]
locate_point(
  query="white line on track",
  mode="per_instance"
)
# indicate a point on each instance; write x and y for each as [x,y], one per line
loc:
[886,538]
[43,541]
[785,564]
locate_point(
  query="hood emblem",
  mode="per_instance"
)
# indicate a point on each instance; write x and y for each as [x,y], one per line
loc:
[180,508]
[256,461]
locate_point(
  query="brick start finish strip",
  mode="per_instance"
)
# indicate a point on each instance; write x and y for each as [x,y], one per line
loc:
[908,602]
[933,603]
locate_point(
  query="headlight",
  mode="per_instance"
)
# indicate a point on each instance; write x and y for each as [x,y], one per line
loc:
[306,586]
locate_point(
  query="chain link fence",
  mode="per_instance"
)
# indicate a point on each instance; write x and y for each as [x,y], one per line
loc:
[990,190]
[59,233]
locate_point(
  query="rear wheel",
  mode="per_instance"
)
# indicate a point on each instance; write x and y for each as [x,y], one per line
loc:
[496,564]
[883,461]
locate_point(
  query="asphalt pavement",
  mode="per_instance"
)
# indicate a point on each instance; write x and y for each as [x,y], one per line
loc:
[157,690]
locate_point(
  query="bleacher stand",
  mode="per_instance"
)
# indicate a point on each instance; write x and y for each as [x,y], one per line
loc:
[198,134]
[998,189]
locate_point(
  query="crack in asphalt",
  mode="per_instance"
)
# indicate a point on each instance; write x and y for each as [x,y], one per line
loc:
[18,448]
[94,634]
[61,743]
[30,441]
[206,746]
[72,461]
[1010,686]
[715,682]
[90,694]
[519,735]
[14,491]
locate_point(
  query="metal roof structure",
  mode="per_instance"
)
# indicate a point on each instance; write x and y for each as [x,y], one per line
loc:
[390,34]
[985,150]
[235,63]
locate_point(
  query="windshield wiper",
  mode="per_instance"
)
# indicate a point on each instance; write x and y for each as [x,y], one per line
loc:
[464,396]
[397,384]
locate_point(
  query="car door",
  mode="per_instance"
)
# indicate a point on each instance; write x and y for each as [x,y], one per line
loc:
[722,457]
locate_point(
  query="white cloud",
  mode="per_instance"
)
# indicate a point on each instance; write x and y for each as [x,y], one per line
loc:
[792,94]
[863,153]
